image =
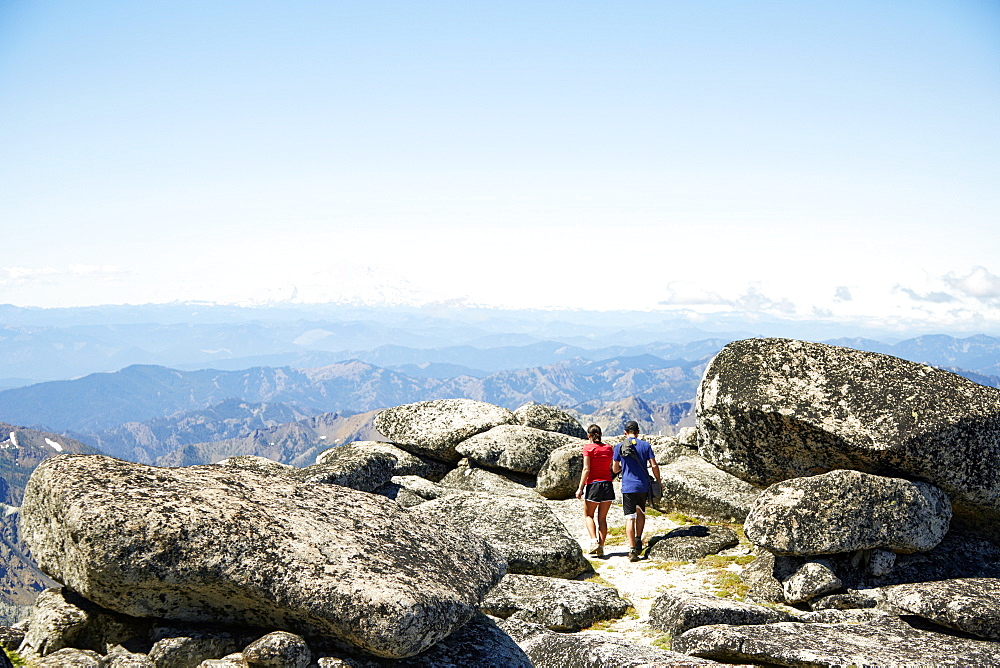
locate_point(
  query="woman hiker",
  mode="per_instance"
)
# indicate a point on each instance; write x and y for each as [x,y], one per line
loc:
[596,489]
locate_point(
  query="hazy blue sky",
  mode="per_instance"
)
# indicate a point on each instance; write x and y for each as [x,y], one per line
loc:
[815,159]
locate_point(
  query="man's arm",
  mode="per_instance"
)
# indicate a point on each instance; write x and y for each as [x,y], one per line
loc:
[655,468]
[616,466]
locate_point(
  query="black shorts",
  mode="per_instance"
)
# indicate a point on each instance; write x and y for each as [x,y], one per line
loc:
[632,500]
[602,490]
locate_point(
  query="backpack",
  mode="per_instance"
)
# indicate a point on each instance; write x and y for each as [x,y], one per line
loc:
[627,449]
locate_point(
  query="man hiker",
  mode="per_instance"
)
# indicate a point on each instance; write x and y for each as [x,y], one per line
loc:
[630,458]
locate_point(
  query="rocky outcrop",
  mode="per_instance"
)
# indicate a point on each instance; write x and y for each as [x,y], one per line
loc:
[810,580]
[514,447]
[279,649]
[843,511]
[407,463]
[471,478]
[774,409]
[677,611]
[559,476]
[971,605]
[411,490]
[688,543]
[886,642]
[555,603]
[208,543]
[361,469]
[693,486]
[524,532]
[549,418]
[435,427]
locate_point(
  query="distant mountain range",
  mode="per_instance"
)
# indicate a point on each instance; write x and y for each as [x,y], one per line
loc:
[141,412]
[144,413]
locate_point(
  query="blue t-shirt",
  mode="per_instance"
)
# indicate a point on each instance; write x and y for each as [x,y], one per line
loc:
[634,476]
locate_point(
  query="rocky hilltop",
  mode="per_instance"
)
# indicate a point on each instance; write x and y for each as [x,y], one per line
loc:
[862,485]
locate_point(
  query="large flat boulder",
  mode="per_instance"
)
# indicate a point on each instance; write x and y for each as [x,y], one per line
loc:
[691,542]
[514,447]
[676,611]
[550,649]
[886,642]
[967,604]
[211,543]
[844,511]
[526,532]
[773,409]
[406,463]
[549,418]
[434,428]
[559,476]
[555,603]
[471,478]
[695,487]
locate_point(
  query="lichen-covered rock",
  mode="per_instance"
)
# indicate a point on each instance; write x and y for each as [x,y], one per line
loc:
[766,573]
[880,562]
[435,427]
[11,637]
[183,647]
[62,618]
[688,543]
[549,418]
[550,649]
[479,643]
[676,611]
[851,600]
[256,463]
[528,535]
[555,603]
[774,409]
[362,469]
[206,543]
[559,476]
[234,660]
[407,463]
[278,649]
[967,604]
[694,487]
[411,490]
[812,579]
[887,641]
[471,478]
[69,657]
[513,447]
[844,511]
[667,448]
[120,657]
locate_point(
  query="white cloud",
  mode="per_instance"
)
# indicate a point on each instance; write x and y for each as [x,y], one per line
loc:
[754,300]
[932,297]
[978,283]
[842,294]
[682,293]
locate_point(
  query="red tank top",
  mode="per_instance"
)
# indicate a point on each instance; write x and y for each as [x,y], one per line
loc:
[600,461]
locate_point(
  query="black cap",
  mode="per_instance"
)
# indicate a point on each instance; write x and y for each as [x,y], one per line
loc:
[631,427]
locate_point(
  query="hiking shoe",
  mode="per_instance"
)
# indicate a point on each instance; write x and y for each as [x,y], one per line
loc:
[595,547]
[599,552]
[633,554]
[638,545]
